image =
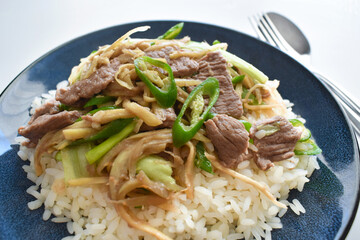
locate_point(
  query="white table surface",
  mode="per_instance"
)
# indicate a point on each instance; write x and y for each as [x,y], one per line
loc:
[28,29]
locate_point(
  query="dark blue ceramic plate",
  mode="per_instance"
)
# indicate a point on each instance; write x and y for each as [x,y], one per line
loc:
[330,198]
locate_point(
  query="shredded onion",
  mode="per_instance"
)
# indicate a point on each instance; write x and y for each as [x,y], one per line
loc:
[142,112]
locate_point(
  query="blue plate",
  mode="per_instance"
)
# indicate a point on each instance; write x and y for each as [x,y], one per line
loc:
[330,198]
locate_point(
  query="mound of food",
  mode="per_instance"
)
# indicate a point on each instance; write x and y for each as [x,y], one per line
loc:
[166,139]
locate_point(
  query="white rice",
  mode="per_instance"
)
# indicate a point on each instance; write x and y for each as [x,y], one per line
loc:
[222,208]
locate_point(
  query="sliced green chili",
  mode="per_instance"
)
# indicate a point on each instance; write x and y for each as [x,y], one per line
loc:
[111,129]
[172,32]
[63,107]
[306,134]
[247,125]
[211,115]
[215,42]
[237,79]
[98,101]
[307,147]
[201,160]
[182,133]
[165,96]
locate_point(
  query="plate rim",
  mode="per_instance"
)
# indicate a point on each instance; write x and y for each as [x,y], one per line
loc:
[355,144]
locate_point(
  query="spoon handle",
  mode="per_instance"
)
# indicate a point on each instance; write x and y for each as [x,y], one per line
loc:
[351,108]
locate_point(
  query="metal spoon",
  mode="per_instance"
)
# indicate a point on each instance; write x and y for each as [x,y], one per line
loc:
[301,47]
[291,33]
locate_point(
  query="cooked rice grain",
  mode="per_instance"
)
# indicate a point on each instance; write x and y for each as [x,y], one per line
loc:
[223,207]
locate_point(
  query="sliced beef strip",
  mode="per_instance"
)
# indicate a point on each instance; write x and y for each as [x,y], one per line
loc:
[229,137]
[75,94]
[87,88]
[50,107]
[167,115]
[181,67]
[116,90]
[46,123]
[277,146]
[104,75]
[263,163]
[214,65]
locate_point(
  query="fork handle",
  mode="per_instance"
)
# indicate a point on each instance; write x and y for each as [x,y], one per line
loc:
[339,93]
[351,108]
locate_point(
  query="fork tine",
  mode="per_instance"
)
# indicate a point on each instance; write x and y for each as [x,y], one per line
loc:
[255,26]
[274,35]
[263,31]
[279,37]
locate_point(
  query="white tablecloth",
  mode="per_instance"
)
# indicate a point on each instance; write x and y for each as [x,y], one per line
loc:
[28,29]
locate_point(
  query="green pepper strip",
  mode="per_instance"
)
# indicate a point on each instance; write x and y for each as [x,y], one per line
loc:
[247,126]
[98,101]
[100,150]
[305,138]
[111,129]
[165,96]
[172,32]
[201,160]
[216,42]
[211,115]
[306,134]
[63,107]
[314,150]
[181,133]
[237,79]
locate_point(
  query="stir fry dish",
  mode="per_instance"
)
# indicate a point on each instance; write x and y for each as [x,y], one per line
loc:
[154,123]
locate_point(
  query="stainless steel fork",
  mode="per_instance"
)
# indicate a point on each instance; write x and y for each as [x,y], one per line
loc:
[267,32]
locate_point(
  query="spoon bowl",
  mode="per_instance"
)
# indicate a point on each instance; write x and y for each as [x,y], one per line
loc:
[291,33]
